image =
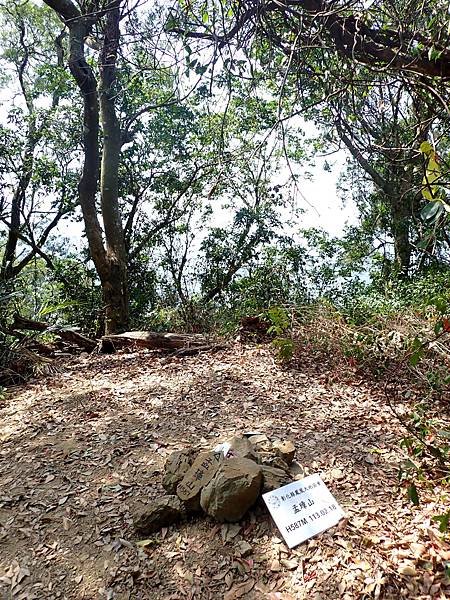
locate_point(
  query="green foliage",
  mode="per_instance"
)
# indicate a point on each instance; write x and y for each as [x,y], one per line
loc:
[281,322]
[413,494]
[280,319]
[388,297]
[76,297]
[285,347]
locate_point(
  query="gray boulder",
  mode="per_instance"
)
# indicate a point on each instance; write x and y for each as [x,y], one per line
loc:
[159,513]
[233,490]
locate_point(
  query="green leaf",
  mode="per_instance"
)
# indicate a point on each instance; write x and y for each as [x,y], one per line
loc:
[447,562]
[426,147]
[439,326]
[410,465]
[443,521]
[432,210]
[415,357]
[413,495]
[57,307]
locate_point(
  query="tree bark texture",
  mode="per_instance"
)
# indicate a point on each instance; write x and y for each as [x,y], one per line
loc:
[116,286]
[155,340]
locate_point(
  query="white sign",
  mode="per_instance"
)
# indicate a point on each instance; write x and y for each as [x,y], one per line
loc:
[302,509]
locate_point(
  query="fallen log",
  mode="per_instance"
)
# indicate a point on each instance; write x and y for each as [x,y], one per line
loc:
[67,334]
[153,340]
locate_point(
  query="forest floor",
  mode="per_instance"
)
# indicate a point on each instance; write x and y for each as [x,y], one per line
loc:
[82,451]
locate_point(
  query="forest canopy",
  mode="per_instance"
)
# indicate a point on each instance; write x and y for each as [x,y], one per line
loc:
[152,155]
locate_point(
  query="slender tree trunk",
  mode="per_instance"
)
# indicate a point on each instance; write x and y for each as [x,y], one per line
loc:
[26,171]
[401,233]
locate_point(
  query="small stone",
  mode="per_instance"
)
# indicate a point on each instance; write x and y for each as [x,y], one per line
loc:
[296,469]
[337,474]
[159,513]
[240,447]
[285,449]
[233,490]
[176,467]
[274,478]
[244,549]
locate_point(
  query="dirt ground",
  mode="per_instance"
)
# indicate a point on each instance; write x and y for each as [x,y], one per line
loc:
[82,451]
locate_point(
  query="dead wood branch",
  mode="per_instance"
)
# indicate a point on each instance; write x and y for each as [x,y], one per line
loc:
[66,334]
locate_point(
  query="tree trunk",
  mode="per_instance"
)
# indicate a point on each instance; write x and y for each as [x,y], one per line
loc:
[401,235]
[155,340]
[401,209]
[115,285]
[26,171]
[17,202]
[110,260]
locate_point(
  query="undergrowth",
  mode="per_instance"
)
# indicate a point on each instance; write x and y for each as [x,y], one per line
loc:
[408,353]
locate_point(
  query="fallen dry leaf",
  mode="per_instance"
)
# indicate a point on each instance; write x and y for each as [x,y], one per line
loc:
[240,590]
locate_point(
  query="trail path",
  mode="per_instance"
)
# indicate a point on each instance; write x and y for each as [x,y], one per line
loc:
[82,451]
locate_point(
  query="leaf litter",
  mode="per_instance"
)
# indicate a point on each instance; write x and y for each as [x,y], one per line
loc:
[83,450]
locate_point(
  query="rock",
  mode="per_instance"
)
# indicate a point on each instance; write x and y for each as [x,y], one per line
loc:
[199,474]
[233,490]
[285,450]
[275,461]
[159,513]
[240,447]
[296,470]
[279,463]
[176,467]
[337,474]
[261,442]
[274,478]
